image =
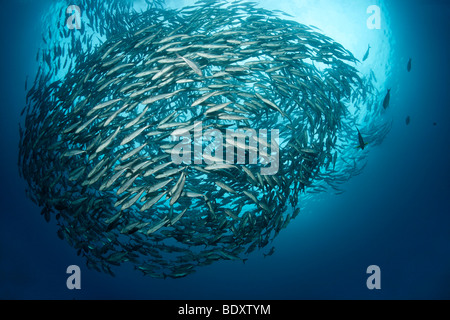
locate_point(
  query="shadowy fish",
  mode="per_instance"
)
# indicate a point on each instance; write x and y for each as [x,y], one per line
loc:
[409,64]
[362,144]
[408,120]
[272,250]
[387,99]
[367,53]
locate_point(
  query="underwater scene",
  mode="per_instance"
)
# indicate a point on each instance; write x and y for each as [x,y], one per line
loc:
[229,149]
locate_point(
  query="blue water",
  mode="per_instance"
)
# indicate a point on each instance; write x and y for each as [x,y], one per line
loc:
[395,214]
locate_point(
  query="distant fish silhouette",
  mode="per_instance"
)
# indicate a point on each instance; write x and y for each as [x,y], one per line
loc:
[409,64]
[272,250]
[408,120]
[387,99]
[362,144]
[367,53]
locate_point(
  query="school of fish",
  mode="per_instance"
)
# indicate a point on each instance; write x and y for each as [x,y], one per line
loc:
[96,144]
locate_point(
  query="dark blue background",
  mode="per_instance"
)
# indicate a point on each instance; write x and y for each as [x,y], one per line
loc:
[395,214]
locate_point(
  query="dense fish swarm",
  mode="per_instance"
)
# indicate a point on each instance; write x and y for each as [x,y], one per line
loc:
[96,149]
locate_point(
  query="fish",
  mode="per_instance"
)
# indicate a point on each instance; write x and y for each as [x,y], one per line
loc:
[133,152]
[231,214]
[219,166]
[231,117]
[158,226]
[251,196]
[192,65]
[205,97]
[271,104]
[133,135]
[113,116]
[177,189]
[149,203]
[110,182]
[408,120]
[85,125]
[98,129]
[71,153]
[159,97]
[133,200]
[334,160]
[133,228]
[271,252]
[104,105]
[362,145]
[217,108]
[387,99]
[157,169]
[159,186]
[409,65]
[225,187]
[366,55]
[169,173]
[137,119]
[107,142]
[127,184]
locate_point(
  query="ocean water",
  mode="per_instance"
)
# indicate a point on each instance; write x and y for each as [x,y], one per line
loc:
[395,214]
